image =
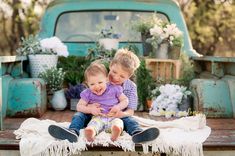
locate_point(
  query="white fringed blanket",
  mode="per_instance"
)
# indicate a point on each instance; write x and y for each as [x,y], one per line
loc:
[178,137]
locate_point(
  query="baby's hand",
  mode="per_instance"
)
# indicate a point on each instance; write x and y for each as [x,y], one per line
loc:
[93,105]
[115,109]
[95,109]
[114,112]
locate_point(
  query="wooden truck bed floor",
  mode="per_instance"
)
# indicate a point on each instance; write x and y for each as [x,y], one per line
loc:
[222,136]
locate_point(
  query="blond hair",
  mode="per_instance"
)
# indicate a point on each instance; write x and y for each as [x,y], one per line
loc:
[94,69]
[127,59]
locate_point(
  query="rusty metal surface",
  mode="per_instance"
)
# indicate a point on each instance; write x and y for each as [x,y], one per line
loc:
[212,97]
[26,97]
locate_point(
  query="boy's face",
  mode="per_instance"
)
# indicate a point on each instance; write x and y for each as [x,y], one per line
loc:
[97,83]
[117,75]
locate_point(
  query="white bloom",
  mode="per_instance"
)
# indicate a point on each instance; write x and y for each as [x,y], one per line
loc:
[161,33]
[170,97]
[54,43]
[156,30]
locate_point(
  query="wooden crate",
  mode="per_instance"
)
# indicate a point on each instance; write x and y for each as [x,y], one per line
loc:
[164,69]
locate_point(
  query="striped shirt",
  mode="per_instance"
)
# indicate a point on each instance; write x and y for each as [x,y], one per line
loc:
[130,90]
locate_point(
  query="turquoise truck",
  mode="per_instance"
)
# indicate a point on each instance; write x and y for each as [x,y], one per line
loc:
[76,23]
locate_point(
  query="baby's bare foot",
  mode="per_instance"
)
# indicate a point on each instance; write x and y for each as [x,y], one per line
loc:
[89,134]
[116,132]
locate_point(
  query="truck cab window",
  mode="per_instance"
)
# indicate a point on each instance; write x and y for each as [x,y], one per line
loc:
[86,26]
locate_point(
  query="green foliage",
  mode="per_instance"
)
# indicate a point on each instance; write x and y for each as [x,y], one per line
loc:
[144,83]
[99,53]
[31,46]
[74,68]
[54,78]
[17,20]
[133,48]
[187,71]
[211,26]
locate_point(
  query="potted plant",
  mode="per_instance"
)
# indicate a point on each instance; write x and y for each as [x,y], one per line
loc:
[153,94]
[144,82]
[143,25]
[43,54]
[73,94]
[163,36]
[54,78]
[108,39]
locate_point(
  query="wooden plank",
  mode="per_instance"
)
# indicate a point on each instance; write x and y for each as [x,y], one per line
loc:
[164,69]
[222,136]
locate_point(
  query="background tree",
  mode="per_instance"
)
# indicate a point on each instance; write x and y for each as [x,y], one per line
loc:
[18,18]
[211,25]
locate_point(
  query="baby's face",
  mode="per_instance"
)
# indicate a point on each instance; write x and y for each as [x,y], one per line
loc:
[97,83]
[117,75]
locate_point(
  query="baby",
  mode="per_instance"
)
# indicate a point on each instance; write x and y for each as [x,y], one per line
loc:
[108,96]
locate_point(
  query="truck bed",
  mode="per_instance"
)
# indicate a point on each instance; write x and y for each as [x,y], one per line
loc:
[222,137]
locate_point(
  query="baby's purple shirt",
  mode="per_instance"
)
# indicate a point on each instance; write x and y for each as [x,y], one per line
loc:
[107,100]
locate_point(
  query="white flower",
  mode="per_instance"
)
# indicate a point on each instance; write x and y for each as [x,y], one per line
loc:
[171,95]
[162,32]
[54,44]
[156,31]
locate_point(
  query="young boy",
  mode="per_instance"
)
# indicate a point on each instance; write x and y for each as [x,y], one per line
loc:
[122,67]
[109,96]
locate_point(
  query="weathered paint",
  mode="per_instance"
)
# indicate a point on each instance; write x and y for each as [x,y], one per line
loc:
[214,90]
[212,97]
[217,69]
[26,97]
[19,96]
[7,67]
[6,79]
[231,83]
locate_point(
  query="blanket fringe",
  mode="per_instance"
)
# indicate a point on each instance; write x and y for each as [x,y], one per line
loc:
[182,137]
[186,149]
[64,148]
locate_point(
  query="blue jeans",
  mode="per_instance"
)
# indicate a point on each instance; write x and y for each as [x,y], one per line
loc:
[80,121]
[131,126]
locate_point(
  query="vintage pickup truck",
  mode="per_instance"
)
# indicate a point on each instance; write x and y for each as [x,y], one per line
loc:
[75,23]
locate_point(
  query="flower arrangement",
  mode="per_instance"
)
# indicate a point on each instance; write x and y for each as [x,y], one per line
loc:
[50,46]
[165,32]
[168,101]
[54,78]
